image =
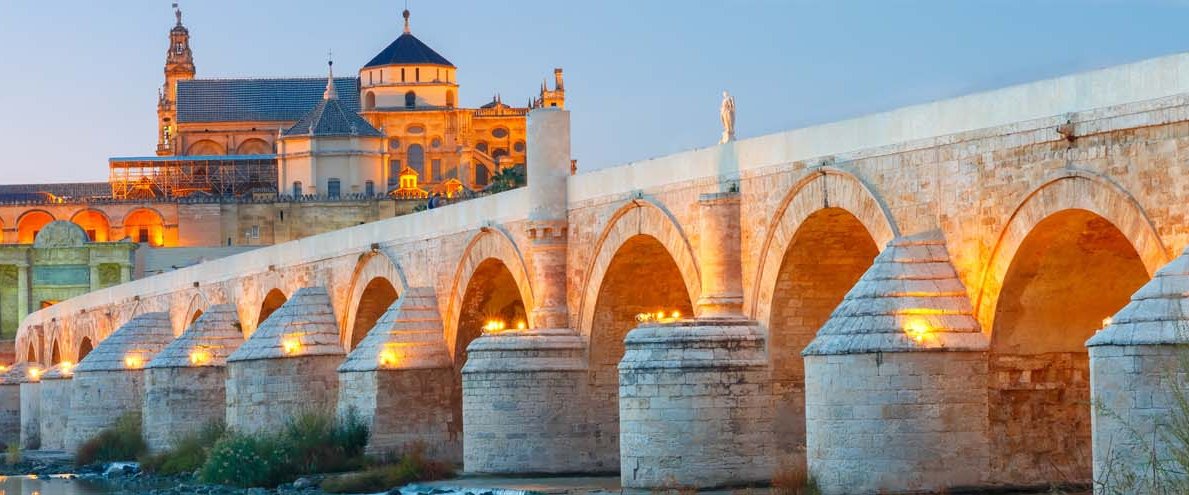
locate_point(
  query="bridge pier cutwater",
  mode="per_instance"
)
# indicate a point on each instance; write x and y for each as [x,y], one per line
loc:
[897,303]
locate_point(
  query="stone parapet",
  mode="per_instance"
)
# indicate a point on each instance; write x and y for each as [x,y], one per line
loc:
[522,408]
[694,406]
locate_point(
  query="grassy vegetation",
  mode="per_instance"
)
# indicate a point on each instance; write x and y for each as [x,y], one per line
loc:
[188,454]
[121,442]
[412,466]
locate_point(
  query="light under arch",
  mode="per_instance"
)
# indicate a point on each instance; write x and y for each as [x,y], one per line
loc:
[1072,190]
[817,190]
[489,243]
[637,217]
[93,221]
[371,266]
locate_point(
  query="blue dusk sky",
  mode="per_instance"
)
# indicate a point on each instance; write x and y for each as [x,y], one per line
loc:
[79,79]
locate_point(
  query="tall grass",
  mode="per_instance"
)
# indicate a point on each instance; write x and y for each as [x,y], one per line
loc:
[121,442]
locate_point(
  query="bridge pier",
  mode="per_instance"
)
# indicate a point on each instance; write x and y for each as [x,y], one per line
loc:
[399,380]
[16,401]
[109,382]
[185,385]
[1138,383]
[287,367]
[896,380]
[55,406]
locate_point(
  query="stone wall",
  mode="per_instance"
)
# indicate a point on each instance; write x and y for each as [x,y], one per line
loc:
[98,399]
[404,407]
[903,421]
[10,412]
[31,415]
[180,401]
[264,394]
[55,411]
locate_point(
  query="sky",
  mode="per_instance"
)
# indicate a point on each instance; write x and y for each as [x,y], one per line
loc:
[79,78]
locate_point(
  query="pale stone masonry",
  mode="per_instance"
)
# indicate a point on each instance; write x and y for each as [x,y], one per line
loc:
[1137,370]
[288,366]
[185,385]
[54,401]
[896,380]
[109,382]
[15,406]
[399,380]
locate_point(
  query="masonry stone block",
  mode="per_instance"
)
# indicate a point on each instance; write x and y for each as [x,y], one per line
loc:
[30,415]
[55,395]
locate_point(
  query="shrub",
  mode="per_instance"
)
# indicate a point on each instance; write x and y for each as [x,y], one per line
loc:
[121,442]
[413,466]
[246,460]
[321,443]
[189,452]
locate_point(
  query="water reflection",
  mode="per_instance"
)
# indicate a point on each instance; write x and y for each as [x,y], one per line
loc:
[27,485]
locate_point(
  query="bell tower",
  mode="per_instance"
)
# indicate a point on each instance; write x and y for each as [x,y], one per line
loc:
[179,66]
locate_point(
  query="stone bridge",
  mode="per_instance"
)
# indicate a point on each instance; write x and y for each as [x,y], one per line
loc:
[982,240]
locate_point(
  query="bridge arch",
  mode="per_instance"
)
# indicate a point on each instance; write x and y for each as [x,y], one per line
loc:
[194,310]
[376,283]
[85,346]
[639,217]
[1071,255]
[270,301]
[490,244]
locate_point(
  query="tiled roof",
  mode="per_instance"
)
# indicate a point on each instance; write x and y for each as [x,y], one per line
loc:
[141,339]
[407,336]
[406,50]
[306,321]
[37,192]
[264,100]
[216,334]
[331,118]
[909,300]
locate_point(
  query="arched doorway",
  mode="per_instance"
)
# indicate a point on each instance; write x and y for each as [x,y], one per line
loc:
[30,224]
[145,226]
[94,223]
[55,354]
[272,302]
[85,347]
[377,296]
[642,277]
[828,253]
[1072,270]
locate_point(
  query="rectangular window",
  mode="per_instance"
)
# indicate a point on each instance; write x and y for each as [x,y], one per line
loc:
[418,74]
[297,188]
[371,78]
[402,75]
[393,172]
[437,169]
[369,188]
[142,235]
[332,188]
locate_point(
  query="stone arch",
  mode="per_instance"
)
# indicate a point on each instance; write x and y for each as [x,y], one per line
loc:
[146,225]
[817,190]
[637,217]
[95,223]
[390,283]
[31,353]
[270,302]
[85,346]
[198,305]
[369,100]
[206,147]
[489,244]
[30,223]
[254,146]
[55,353]
[1072,190]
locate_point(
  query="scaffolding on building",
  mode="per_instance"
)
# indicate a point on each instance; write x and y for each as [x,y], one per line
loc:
[229,176]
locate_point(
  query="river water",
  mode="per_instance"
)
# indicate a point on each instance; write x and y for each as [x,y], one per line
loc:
[27,485]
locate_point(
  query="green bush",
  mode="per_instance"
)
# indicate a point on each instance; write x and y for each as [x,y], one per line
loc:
[413,466]
[121,442]
[247,461]
[188,454]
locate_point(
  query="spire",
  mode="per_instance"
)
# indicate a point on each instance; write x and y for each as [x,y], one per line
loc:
[406,14]
[177,11]
[331,93]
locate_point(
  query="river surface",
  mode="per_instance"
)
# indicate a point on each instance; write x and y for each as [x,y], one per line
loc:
[26,485]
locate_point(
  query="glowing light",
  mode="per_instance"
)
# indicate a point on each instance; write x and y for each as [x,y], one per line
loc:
[67,367]
[676,315]
[1106,322]
[133,361]
[389,357]
[34,373]
[291,345]
[493,326]
[659,317]
[918,329]
[200,356]
[521,325]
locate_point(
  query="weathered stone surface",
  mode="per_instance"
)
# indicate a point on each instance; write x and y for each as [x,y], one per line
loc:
[207,342]
[55,406]
[522,408]
[12,420]
[1137,368]
[400,380]
[695,406]
[287,367]
[30,415]
[130,347]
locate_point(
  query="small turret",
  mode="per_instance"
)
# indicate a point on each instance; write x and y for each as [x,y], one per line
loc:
[555,97]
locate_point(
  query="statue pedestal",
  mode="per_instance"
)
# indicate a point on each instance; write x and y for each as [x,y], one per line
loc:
[694,405]
[522,405]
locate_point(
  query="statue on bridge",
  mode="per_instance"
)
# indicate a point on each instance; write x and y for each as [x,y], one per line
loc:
[728,118]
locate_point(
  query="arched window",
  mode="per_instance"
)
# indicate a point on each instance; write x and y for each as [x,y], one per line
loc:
[369,188]
[254,147]
[333,188]
[417,159]
[296,188]
[450,99]
[145,226]
[410,99]
[369,101]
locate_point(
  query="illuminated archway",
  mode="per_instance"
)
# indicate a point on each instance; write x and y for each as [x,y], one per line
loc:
[1071,270]
[375,299]
[30,223]
[195,317]
[85,347]
[272,302]
[828,253]
[95,223]
[489,244]
[31,354]
[145,226]
[206,147]
[254,146]
[55,354]
[641,278]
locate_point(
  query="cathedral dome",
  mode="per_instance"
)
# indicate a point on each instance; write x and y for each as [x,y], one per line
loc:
[408,50]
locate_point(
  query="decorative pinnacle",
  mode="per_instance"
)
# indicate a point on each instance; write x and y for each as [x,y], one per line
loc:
[177,11]
[331,93]
[406,15]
